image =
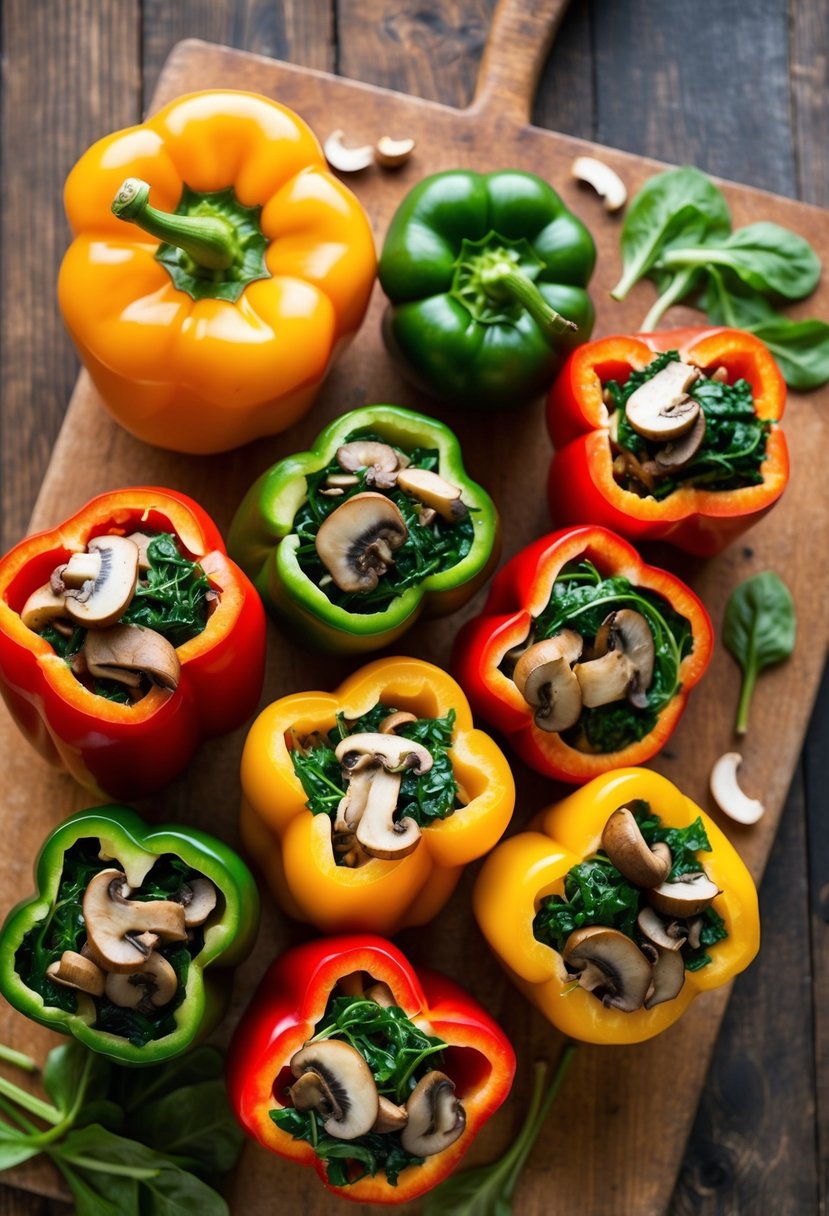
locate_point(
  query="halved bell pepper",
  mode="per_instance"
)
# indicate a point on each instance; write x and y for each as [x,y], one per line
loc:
[263,539]
[295,848]
[526,868]
[520,593]
[216,319]
[164,868]
[290,1002]
[128,750]
[582,487]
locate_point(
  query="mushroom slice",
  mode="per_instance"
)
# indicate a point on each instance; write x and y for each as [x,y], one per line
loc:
[81,568]
[380,834]
[726,791]
[340,1087]
[631,855]
[604,180]
[150,988]
[390,724]
[688,896]
[42,608]
[379,460]
[605,680]
[625,972]
[125,652]
[343,159]
[142,541]
[391,1118]
[433,491]
[392,751]
[668,978]
[655,930]
[100,603]
[116,926]
[392,153]
[198,898]
[544,679]
[74,970]
[436,1117]
[683,450]
[353,803]
[381,994]
[629,632]
[660,408]
[356,542]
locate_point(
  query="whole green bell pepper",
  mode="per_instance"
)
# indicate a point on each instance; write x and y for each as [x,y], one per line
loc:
[265,542]
[486,274]
[160,867]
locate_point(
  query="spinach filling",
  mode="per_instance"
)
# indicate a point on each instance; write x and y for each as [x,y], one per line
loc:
[734,447]
[398,1055]
[595,893]
[64,929]
[580,600]
[428,549]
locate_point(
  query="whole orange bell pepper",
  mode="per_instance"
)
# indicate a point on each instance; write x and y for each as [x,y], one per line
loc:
[295,848]
[526,868]
[215,320]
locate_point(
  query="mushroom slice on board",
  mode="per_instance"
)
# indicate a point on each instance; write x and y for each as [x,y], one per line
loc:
[611,966]
[74,970]
[100,603]
[661,409]
[122,932]
[436,1117]
[335,1080]
[628,632]
[433,491]
[605,680]
[668,978]
[153,986]
[631,854]
[689,896]
[544,678]
[126,652]
[42,608]
[727,793]
[356,542]
[345,159]
[378,459]
[392,153]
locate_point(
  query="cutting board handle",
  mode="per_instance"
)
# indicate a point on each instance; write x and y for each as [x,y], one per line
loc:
[520,38]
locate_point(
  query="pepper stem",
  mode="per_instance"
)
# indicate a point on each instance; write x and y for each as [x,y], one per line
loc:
[208,240]
[501,279]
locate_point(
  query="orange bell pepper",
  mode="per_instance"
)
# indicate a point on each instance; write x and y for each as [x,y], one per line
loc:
[224,331]
[526,868]
[294,846]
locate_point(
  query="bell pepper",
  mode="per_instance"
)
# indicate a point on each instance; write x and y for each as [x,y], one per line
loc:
[582,487]
[486,274]
[128,750]
[295,848]
[525,869]
[168,863]
[519,596]
[285,1011]
[216,319]
[264,540]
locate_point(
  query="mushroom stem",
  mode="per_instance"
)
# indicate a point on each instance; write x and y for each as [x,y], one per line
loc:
[210,241]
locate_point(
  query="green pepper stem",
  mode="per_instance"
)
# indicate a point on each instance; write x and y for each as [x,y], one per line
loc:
[208,240]
[502,278]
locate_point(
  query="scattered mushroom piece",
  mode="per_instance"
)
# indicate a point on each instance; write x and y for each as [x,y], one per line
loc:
[655,930]
[99,604]
[335,1080]
[392,153]
[433,491]
[436,1117]
[122,932]
[683,450]
[726,791]
[690,895]
[630,853]
[611,965]
[391,1118]
[74,970]
[342,481]
[544,679]
[604,180]
[661,408]
[628,631]
[389,725]
[378,459]
[627,465]
[356,542]
[668,978]
[381,994]
[153,986]
[198,898]
[42,608]
[606,679]
[125,652]
[343,159]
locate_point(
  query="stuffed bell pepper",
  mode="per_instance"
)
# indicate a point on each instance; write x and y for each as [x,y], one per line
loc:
[127,943]
[362,806]
[486,274]
[377,1075]
[210,298]
[618,907]
[671,436]
[583,655]
[127,636]
[379,522]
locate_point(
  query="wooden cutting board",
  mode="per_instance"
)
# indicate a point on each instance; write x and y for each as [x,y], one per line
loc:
[599,1153]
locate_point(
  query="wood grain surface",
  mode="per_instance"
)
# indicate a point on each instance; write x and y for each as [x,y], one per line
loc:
[592,1152]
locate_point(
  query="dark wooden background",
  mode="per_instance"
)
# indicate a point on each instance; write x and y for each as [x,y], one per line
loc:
[740,89]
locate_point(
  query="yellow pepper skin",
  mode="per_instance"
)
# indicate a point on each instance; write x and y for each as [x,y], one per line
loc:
[524,869]
[293,847]
[206,374]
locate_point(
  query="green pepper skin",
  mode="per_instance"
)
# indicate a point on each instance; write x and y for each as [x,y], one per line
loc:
[504,359]
[228,940]
[261,542]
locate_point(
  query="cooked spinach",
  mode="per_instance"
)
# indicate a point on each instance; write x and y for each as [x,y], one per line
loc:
[759,630]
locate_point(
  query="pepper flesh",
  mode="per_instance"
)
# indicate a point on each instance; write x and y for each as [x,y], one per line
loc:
[581,486]
[527,867]
[291,1000]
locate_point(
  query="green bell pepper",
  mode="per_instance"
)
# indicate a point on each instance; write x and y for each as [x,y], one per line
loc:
[486,274]
[157,863]
[272,537]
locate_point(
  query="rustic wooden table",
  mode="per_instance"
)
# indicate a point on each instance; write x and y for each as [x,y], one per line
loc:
[739,90]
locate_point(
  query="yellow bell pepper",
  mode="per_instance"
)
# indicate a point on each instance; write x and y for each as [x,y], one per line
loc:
[528,867]
[294,847]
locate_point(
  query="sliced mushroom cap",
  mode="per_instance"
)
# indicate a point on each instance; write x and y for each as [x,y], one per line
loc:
[629,632]
[346,1095]
[390,724]
[728,794]
[142,541]
[630,853]
[391,1118]
[125,652]
[668,978]
[605,680]
[74,970]
[392,751]
[81,568]
[379,459]
[543,677]
[433,491]
[198,898]
[653,927]
[99,604]
[379,833]
[624,972]
[356,542]
[436,1117]
[381,994]
[153,986]
[391,153]
[353,803]
[41,608]
[693,893]
[681,451]
[660,408]
[117,927]
[345,159]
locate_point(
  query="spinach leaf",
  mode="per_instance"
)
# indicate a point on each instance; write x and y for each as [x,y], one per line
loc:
[171,598]
[759,630]
[193,1123]
[767,257]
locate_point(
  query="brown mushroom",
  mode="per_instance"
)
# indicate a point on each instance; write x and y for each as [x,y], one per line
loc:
[433,491]
[631,855]
[335,1080]
[668,978]
[392,153]
[381,994]
[356,542]
[682,451]
[378,459]
[100,603]
[653,927]
[126,652]
[389,725]
[629,632]
[73,970]
[153,986]
[379,833]
[688,896]
[42,608]
[198,898]
[609,965]
[604,680]
[436,1117]
[544,679]
[660,408]
[81,568]
[142,541]
[390,1118]
[122,932]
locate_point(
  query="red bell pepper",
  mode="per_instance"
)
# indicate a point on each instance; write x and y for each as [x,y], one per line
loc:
[581,486]
[290,1002]
[519,594]
[129,750]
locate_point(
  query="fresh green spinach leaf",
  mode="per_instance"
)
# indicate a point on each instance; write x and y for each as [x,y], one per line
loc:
[759,630]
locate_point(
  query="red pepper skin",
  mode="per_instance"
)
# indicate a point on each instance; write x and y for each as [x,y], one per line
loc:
[289,1002]
[581,487]
[519,592]
[131,751]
